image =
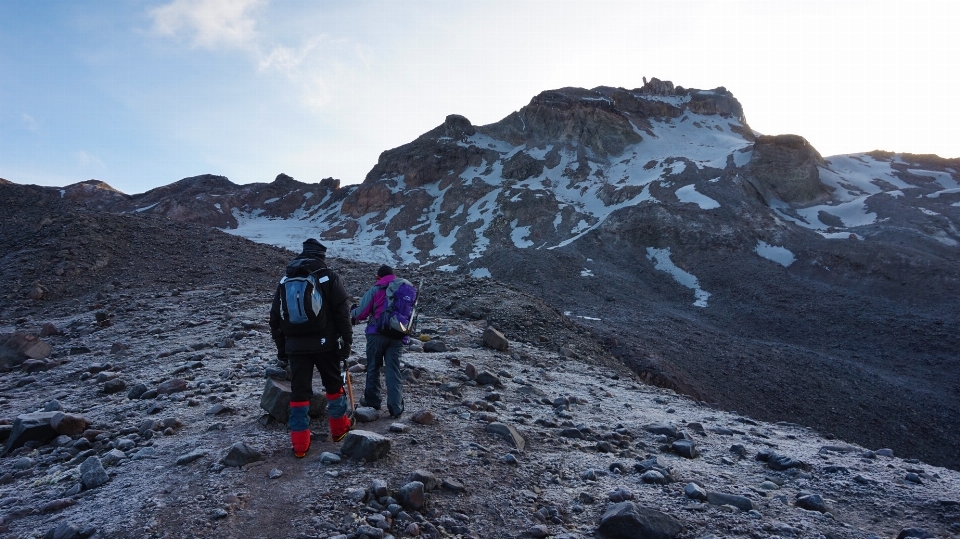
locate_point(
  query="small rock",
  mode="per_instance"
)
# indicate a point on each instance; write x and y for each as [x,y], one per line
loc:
[685,448]
[399,427]
[92,473]
[275,473]
[423,417]
[509,433]
[174,385]
[329,458]
[137,391]
[471,371]
[695,492]
[495,339]
[366,414]
[740,502]
[654,477]
[452,485]
[112,457]
[487,378]
[918,533]
[539,531]
[191,456]
[812,502]
[427,478]
[240,454]
[434,346]
[620,495]
[412,495]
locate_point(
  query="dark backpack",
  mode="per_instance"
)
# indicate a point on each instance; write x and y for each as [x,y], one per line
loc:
[302,308]
[397,319]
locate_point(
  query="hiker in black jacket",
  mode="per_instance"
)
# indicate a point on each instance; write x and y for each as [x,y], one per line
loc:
[321,348]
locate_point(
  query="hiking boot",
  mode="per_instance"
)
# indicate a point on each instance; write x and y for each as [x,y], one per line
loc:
[340,426]
[400,413]
[363,402]
[301,443]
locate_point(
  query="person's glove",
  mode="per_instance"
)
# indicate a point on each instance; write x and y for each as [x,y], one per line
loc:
[282,359]
[345,350]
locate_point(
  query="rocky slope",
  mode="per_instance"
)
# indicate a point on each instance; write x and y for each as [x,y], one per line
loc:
[747,271]
[558,439]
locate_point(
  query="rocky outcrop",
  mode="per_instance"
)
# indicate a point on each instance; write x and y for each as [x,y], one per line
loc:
[785,167]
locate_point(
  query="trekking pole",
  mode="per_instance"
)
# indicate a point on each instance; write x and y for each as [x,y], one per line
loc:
[349,379]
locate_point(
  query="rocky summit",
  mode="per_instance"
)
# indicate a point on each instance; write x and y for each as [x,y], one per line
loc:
[645,318]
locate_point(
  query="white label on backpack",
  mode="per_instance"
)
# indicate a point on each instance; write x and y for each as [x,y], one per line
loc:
[323,279]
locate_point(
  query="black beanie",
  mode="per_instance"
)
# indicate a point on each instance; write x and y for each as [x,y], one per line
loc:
[314,247]
[384,271]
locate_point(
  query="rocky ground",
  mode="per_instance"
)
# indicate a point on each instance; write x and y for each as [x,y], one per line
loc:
[158,378]
[590,436]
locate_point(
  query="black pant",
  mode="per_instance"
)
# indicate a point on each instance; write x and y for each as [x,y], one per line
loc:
[302,365]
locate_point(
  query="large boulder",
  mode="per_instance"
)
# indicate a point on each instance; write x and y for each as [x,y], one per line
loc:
[29,428]
[365,445]
[275,400]
[240,454]
[92,474]
[785,167]
[627,520]
[18,347]
[496,340]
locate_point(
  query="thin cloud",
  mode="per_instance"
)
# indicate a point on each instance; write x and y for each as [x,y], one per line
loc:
[210,24]
[31,123]
[88,160]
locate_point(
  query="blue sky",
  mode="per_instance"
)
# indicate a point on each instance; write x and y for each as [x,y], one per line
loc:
[143,93]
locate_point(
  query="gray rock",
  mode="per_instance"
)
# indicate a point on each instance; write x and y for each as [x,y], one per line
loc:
[620,495]
[412,495]
[452,485]
[913,478]
[884,452]
[275,473]
[509,433]
[92,474]
[66,530]
[137,391]
[509,459]
[399,427]
[23,463]
[627,520]
[740,502]
[114,386]
[695,492]
[423,417]
[112,457]
[487,378]
[53,406]
[148,452]
[365,445]
[494,339]
[240,454]
[662,428]
[685,448]
[329,458]
[32,427]
[434,346]
[173,385]
[812,502]
[426,477]
[471,371]
[366,414]
[654,477]
[366,530]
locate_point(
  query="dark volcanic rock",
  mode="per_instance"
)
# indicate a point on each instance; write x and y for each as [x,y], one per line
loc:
[30,427]
[627,520]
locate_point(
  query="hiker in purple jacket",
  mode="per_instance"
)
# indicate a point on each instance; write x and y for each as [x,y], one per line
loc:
[382,351]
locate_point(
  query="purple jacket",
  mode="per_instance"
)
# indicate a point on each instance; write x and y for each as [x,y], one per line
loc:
[372,304]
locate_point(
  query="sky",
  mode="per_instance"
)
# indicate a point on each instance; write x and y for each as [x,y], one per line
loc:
[140,94]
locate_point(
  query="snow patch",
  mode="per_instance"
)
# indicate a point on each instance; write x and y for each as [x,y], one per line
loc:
[145,208]
[775,253]
[480,273]
[689,194]
[587,272]
[519,235]
[662,262]
[271,200]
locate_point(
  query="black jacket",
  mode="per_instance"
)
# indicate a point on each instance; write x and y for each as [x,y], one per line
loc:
[338,315]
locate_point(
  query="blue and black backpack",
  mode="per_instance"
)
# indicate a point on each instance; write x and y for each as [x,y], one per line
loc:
[302,308]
